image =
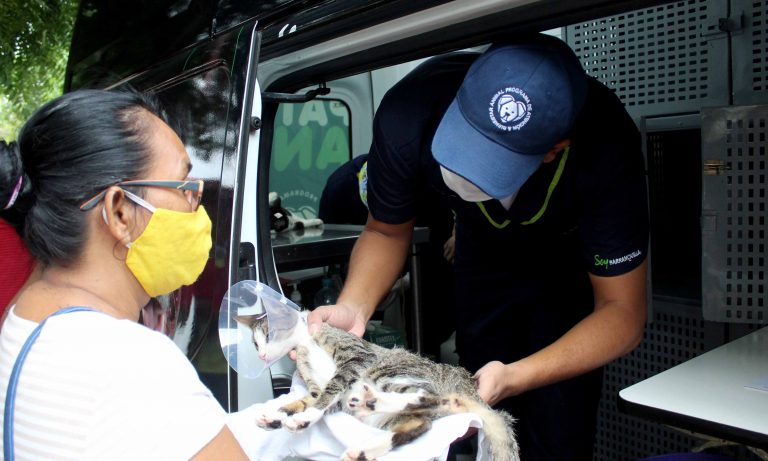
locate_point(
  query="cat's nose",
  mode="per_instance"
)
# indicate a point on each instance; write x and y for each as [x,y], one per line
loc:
[263,356]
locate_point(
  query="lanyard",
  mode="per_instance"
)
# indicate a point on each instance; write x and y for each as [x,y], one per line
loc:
[10,396]
[540,213]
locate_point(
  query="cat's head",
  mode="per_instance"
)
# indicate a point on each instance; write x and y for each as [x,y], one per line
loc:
[269,348]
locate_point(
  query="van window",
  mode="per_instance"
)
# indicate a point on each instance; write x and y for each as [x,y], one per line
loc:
[198,112]
[311,140]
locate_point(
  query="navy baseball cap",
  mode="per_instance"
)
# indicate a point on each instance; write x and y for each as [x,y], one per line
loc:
[517,101]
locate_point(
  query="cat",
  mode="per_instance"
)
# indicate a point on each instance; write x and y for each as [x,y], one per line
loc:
[392,389]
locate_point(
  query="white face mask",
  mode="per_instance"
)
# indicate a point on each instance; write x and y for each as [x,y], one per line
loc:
[465,189]
[468,191]
[506,202]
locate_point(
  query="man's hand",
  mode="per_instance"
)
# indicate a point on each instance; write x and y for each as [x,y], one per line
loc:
[492,382]
[340,316]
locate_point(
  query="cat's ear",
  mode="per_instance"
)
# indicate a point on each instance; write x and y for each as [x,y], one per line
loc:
[249,320]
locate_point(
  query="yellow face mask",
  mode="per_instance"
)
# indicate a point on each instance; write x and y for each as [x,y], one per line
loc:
[172,250]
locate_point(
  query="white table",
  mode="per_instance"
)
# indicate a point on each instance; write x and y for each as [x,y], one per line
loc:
[710,394]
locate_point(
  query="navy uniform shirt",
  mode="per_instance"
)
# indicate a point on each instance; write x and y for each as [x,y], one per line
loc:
[583,213]
[340,202]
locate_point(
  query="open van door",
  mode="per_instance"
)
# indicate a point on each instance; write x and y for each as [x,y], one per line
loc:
[211,95]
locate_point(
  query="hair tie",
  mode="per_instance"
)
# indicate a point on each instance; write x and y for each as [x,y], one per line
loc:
[15,193]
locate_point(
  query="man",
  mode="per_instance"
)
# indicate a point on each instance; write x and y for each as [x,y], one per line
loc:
[341,201]
[544,171]
[344,201]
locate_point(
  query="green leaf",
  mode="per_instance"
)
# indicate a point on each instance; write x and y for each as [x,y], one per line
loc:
[34,44]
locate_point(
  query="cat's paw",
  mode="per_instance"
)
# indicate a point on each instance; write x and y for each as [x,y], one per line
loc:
[295,407]
[355,455]
[362,399]
[378,446]
[419,397]
[271,419]
[302,420]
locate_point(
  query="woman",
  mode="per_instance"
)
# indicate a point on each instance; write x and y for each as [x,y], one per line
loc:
[110,215]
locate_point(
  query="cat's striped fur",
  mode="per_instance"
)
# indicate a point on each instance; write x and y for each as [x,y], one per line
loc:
[392,389]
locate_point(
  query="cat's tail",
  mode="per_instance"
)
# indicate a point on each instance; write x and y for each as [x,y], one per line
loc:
[498,426]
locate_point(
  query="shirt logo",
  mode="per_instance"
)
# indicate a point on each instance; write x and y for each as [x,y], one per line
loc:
[510,109]
[606,262]
[362,183]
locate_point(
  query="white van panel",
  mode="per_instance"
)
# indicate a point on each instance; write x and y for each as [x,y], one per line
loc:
[408,26]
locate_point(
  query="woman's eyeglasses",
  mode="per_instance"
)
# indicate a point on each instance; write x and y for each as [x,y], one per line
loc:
[192,189]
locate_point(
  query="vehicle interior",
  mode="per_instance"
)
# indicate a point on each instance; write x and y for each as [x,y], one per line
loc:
[668,63]
[310,80]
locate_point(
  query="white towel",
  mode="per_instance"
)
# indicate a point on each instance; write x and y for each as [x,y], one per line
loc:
[327,439]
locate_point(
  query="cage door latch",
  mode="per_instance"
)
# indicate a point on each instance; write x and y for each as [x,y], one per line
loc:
[715,167]
[716,26]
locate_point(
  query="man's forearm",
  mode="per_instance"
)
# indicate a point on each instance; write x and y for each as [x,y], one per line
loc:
[597,340]
[377,260]
[614,329]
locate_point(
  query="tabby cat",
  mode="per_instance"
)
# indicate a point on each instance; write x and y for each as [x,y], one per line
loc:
[391,389]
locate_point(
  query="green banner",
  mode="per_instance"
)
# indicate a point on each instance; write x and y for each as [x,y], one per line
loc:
[311,140]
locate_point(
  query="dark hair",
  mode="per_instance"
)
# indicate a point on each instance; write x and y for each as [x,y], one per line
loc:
[69,150]
[14,186]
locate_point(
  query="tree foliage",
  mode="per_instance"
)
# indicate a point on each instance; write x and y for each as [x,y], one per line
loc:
[34,43]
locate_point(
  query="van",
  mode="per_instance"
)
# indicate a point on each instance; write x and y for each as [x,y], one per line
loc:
[273,96]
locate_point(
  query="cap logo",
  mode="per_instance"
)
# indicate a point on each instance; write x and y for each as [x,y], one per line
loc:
[510,109]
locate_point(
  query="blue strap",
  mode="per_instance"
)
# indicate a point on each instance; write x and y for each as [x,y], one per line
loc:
[10,396]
